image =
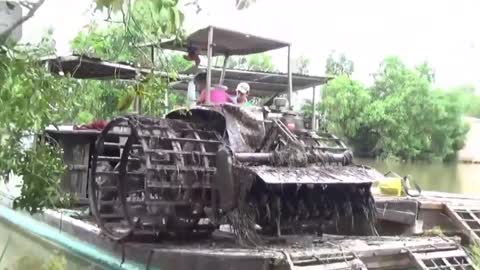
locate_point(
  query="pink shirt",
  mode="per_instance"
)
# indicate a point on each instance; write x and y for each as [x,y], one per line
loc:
[217,96]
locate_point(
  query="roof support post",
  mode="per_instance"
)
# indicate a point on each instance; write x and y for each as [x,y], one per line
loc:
[314,108]
[290,87]
[224,69]
[209,64]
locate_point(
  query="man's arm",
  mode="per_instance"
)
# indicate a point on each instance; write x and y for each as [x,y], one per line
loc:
[203,97]
[229,98]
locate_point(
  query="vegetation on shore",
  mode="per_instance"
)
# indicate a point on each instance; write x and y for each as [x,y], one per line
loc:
[32,98]
[400,116]
[475,254]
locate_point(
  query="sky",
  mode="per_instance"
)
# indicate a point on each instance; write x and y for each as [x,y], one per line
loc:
[446,33]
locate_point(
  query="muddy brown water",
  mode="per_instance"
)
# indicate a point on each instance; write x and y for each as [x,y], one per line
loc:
[23,252]
[435,176]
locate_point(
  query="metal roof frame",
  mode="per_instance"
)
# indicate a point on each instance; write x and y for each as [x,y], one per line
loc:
[85,67]
[261,83]
[225,42]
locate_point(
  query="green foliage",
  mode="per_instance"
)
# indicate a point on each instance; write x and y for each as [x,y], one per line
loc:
[470,98]
[399,116]
[255,62]
[301,65]
[307,109]
[54,262]
[475,253]
[339,65]
[146,21]
[31,99]
[41,168]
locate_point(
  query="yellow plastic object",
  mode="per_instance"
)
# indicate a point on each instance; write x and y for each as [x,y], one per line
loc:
[392,186]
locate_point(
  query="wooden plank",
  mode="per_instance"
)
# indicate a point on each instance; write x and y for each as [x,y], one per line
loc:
[402,217]
[76,155]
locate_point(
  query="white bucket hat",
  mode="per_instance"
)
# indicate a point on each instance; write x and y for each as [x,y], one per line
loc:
[243,88]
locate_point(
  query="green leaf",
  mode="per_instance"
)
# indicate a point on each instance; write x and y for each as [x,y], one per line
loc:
[126,101]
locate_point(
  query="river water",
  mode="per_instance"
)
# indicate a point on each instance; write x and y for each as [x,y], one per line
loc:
[21,252]
[447,177]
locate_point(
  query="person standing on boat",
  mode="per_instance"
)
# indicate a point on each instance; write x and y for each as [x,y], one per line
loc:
[243,89]
[218,95]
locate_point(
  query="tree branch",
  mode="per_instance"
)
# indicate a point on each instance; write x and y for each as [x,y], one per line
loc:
[32,8]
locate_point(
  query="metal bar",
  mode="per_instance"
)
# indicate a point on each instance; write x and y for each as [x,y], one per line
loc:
[181,169]
[224,69]
[107,158]
[254,157]
[314,108]
[447,263]
[461,224]
[182,139]
[197,130]
[117,173]
[120,145]
[165,185]
[160,152]
[472,214]
[327,148]
[290,86]
[209,64]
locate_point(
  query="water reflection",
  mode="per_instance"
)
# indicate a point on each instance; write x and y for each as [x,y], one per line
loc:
[25,253]
[458,178]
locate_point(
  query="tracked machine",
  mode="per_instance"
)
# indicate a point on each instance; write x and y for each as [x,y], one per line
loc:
[256,169]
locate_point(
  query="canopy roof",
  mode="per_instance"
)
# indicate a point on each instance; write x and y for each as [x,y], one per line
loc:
[226,42]
[261,83]
[84,67]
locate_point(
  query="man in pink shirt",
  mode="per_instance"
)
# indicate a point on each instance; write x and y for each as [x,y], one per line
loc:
[217,94]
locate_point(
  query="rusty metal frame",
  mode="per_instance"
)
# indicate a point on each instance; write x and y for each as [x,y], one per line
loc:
[467,219]
[454,259]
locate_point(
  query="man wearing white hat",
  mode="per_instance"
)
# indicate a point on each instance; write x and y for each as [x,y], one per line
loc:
[243,89]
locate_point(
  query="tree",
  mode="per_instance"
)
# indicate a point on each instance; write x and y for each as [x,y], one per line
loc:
[400,115]
[244,4]
[338,65]
[469,97]
[301,65]
[254,62]
[32,98]
[119,43]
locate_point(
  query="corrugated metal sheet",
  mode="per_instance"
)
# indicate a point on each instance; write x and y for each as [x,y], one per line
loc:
[226,41]
[261,83]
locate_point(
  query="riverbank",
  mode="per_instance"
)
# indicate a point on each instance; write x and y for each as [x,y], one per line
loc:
[435,176]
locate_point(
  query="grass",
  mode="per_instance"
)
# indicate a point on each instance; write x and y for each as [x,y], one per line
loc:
[475,254]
